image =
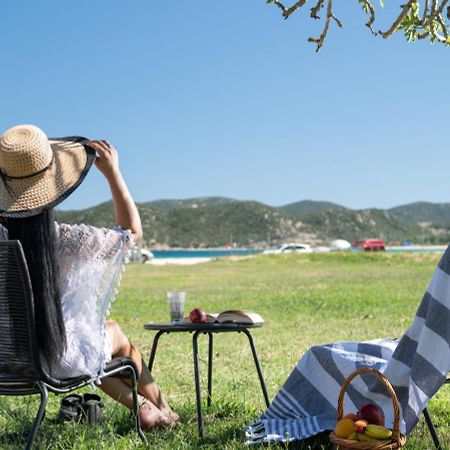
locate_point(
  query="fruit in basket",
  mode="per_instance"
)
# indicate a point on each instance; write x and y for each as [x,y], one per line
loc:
[372,413]
[377,431]
[364,438]
[197,315]
[352,437]
[350,416]
[360,425]
[344,428]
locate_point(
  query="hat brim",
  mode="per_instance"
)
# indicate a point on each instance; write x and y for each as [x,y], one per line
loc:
[26,197]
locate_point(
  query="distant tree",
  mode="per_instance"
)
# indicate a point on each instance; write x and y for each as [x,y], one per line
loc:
[418,19]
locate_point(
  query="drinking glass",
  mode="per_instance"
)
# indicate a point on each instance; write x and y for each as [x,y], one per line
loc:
[176,305]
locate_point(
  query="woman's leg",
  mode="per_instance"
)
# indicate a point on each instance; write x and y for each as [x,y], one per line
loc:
[147,387]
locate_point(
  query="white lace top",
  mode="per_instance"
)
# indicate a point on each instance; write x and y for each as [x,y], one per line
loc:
[91,262]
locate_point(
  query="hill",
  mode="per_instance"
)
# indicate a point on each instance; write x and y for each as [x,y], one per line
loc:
[368,223]
[304,207]
[217,221]
[423,212]
[231,222]
[199,202]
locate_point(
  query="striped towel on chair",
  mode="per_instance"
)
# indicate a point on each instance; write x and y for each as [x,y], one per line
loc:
[416,365]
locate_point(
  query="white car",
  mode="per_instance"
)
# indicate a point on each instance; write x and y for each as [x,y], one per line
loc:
[146,255]
[140,256]
[291,248]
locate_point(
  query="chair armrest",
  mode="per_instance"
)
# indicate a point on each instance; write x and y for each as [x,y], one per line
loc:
[116,363]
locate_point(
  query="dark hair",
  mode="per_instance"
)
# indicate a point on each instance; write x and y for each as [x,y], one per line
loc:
[37,235]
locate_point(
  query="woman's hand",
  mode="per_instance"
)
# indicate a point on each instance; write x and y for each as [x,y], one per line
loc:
[107,158]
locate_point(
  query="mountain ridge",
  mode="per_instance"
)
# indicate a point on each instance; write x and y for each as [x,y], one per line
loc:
[221,221]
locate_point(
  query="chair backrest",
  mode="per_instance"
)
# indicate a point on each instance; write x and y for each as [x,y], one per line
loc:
[19,357]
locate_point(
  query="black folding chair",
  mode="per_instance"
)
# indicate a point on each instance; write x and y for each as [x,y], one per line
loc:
[431,427]
[21,368]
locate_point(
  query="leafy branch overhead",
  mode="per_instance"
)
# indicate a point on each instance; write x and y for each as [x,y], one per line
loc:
[418,19]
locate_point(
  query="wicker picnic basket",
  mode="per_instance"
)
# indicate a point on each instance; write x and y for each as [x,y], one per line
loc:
[397,440]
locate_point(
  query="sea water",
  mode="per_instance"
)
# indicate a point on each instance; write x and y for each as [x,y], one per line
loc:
[209,253]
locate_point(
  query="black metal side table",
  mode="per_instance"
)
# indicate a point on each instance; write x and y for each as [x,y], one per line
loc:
[208,329]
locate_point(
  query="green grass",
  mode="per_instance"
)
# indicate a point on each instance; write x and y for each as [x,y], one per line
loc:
[305,300]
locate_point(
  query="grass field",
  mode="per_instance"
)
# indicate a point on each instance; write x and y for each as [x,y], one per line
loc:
[305,300]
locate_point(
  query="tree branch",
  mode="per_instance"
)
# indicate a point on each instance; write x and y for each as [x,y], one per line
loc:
[441,8]
[443,27]
[319,41]
[337,20]
[396,24]
[372,16]
[416,24]
[293,8]
[279,4]
[316,9]
[425,10]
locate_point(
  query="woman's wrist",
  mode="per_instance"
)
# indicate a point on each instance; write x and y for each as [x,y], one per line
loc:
[113,176]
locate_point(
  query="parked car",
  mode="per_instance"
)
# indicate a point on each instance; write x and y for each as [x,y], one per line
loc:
[369,245]
[140,255]
[340,244]
[146,255]
[291,248]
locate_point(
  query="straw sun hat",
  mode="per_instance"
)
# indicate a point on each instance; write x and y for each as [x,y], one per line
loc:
[37,173]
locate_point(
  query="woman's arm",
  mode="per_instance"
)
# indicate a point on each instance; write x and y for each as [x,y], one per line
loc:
[125,210]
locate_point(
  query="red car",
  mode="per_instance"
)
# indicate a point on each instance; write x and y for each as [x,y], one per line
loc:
[369,245]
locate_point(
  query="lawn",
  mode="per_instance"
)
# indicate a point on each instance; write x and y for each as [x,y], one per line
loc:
[305,300]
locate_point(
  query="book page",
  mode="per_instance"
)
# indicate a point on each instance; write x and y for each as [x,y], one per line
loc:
[211,317]
[239,316]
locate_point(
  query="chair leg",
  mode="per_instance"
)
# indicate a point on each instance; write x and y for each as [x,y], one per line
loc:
[39,415]
[433,432]
[136,405]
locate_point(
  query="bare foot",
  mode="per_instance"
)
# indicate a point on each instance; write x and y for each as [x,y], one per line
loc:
[171,415]
[152,417]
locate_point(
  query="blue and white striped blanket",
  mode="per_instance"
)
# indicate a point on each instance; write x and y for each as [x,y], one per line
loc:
[416,366]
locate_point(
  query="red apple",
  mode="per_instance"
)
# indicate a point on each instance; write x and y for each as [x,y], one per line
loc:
[197,315]
[372,413]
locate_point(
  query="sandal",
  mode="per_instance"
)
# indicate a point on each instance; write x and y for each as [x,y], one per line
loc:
[70,408]
[92,408]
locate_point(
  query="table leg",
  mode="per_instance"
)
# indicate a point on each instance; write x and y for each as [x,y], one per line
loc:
[210,360]
[154,347]
[197,385]
[258,367]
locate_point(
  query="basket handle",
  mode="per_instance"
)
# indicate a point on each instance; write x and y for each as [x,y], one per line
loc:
[387,384]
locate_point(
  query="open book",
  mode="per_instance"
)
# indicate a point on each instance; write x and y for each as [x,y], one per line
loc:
[233,316]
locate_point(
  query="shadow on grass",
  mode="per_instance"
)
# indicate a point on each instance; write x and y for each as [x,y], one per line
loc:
[13,439]
[318,442]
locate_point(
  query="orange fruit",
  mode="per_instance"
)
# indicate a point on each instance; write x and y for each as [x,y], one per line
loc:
[350,416]
[344,428]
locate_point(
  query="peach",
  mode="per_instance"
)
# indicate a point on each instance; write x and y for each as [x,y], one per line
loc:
[360,425]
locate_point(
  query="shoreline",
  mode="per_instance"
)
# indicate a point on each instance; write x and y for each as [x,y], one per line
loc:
[193,260]
[179,261]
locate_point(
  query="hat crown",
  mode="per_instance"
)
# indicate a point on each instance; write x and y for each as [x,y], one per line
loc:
[24,151]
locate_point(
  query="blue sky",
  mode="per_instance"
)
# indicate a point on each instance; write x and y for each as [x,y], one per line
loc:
[226,98]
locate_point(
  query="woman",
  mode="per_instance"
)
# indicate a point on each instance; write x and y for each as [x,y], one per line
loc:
[75,269]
